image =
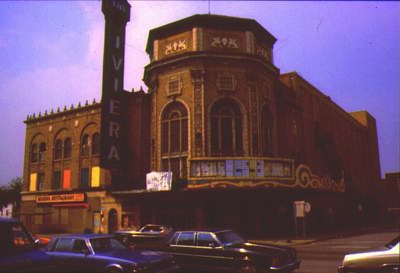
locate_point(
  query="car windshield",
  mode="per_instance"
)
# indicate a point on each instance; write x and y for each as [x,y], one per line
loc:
[230,237]
[105,244]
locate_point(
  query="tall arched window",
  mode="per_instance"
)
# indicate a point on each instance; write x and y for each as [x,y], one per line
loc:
[95,144]
[85,145]
[42,151]
[174,137]
[58,149]
[67,147]
[34,153]
[266,131]
[226,128]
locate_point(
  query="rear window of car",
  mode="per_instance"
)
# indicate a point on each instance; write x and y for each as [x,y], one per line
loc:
[186,239]
[63,245]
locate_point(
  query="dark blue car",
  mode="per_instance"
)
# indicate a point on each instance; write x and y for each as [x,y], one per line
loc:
[104,253]
[18,250]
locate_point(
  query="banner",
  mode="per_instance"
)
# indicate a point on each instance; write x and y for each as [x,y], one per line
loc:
[159,181]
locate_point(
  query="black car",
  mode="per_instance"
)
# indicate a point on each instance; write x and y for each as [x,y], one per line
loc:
[103,253]
[18,250]
[227,251]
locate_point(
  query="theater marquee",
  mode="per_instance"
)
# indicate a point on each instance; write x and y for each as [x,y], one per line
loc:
[60,198]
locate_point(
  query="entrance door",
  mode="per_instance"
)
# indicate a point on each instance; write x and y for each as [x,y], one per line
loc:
[112,221]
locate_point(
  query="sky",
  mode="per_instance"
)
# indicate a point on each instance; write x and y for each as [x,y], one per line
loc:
[51,55]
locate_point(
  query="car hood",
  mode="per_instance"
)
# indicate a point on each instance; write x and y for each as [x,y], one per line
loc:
[136,255]
[267,249]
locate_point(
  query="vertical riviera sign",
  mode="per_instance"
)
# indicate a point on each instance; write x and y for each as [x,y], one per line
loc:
[117,14]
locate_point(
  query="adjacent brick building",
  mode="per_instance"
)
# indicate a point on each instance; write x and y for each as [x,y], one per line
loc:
[242,140]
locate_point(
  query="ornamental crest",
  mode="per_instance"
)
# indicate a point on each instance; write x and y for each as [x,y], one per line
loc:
[175,46]
[224,42]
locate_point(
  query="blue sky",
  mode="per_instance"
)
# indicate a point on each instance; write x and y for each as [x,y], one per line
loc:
[51,55]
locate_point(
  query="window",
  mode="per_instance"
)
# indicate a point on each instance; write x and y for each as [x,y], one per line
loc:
[226,128]
[42,151]
[174,86]
[80,246]
[186,239]
[57,180]
[58,149]
[67,147]
[95,144]
[85,177]
[40,182]
[206,240]
[85,145]
[226,82]
[34,153]
[266,131]
[64,245]
[174,137]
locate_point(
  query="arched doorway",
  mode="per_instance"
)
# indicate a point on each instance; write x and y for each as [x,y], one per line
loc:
[112,221]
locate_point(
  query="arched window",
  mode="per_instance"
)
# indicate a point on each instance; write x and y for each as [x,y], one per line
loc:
[34,153]
[58,149]
[266,131]
[42,151]
[67,147]
[226,128]
[95,144]
[174,137]
[85,145]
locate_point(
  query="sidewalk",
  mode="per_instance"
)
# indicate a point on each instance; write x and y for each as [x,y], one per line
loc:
[323,237]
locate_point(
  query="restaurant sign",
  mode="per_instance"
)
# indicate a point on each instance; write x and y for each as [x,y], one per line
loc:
[60,198]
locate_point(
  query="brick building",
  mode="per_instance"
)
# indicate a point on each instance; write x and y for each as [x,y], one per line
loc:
[242,140]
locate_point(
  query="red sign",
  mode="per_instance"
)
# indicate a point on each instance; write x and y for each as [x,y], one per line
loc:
[60,198]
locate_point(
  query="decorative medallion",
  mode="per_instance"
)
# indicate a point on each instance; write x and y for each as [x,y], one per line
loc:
[175,46]
[224,42]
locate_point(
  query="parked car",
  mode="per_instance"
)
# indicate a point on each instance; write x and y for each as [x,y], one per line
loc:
[103,253]
[381,261]
[226,250]
[18,250]
[147,234]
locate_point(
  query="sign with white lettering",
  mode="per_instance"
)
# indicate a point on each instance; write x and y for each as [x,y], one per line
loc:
[117,14]
[60,198]
[159,181]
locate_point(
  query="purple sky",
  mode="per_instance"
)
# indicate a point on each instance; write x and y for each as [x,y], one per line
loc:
[51,55]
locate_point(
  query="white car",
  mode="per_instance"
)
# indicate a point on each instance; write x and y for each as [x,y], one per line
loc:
[384,261]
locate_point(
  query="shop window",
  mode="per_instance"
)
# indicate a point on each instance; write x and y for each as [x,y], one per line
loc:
[67,147]
[58,149]
[95,144]
[55,216]
[226,128]
[34,153]
[42,152]
[64,216]
[85,145]
[38,216]
[57,180]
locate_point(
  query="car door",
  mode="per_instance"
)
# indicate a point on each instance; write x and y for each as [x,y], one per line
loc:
[183,248]
[61,254]
[210,253]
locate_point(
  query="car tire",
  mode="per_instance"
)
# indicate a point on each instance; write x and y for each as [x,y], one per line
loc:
[246,267]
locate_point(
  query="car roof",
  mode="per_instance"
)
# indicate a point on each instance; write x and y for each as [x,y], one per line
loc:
[213,230]
[82,236]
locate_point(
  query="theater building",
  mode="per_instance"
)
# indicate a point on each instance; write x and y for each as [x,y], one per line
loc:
[243,143]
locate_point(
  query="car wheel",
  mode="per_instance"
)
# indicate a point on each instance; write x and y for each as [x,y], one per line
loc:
[247,267]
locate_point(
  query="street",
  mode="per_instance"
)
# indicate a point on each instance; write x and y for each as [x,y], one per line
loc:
[326,256]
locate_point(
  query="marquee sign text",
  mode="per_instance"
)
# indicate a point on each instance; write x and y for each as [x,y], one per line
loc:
[60,198]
